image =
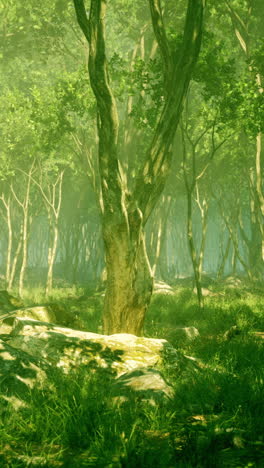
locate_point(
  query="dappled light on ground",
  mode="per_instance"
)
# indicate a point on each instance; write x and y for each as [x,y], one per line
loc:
[213,412]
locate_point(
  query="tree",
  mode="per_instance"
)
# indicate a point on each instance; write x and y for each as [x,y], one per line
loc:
[124,214]
[243,30]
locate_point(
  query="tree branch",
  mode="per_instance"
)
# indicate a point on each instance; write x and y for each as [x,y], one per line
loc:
[161,37]
[107,124]
[152,177]
[82,18]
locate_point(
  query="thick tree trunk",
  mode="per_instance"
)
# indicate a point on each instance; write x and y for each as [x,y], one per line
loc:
[129,281]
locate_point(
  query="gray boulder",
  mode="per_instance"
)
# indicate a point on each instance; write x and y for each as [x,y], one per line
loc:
[188,333]
[205,292]
[162,288]
[144,383]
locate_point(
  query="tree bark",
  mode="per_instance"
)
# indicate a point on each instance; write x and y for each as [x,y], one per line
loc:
[129,285]
[233,236]
[24,242]
[15,258]
[221,268]
[51,257]
[195,262]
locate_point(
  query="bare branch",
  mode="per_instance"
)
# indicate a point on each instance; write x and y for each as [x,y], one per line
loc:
[16,197]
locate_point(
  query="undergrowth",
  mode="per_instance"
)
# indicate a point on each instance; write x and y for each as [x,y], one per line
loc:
[214,420]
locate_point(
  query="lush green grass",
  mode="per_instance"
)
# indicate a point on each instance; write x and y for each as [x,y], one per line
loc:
[215,420]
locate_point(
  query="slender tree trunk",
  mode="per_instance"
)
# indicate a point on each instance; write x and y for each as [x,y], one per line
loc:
[54,206]
[203,208]
[24,239]
[77,251]
[52,198]
[51,257]
[224,259]
[7,217]
[234,261]
[236,254]
[157,250]
[158,236]
[195,263]
[24,252]
[9,245]
[259,189]
[162,258]
[15,259]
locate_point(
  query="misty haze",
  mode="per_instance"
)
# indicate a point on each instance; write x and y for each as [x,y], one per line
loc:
[132,233]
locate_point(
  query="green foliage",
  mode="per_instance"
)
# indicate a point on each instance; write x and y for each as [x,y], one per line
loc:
[33,30]
[243,105]
[147,79]
[216,66]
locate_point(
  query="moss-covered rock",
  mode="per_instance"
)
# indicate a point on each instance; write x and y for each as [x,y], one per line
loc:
[134,365]
[68,348]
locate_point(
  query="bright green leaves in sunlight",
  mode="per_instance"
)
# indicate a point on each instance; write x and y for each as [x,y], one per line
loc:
[243,106]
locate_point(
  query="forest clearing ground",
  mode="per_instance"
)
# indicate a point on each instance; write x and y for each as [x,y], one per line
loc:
[215,419]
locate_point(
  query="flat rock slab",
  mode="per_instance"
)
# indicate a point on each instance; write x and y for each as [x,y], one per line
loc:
[67,348]
[149,384]
[206,292]
[162,288]
[130,364]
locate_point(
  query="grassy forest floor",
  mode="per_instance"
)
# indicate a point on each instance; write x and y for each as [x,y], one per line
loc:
[214,420]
